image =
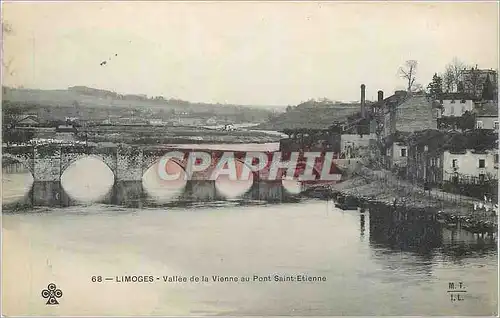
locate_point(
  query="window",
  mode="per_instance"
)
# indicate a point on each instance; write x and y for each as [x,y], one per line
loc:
[495,125]
[479,124]
[462,101]
[403,152]
[452,110]
[454,163]
[481,163]
[496,158]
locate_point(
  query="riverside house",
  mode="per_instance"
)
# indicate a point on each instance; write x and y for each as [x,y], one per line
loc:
[455,104]
[487,115]
[398,116]
[436,157]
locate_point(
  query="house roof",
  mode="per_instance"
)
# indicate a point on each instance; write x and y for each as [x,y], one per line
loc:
[488,109]
[28,118]
[392,100]
[455,141]
[455,96]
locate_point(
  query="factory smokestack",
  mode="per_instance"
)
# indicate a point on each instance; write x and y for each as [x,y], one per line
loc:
[380,96]
[363,101]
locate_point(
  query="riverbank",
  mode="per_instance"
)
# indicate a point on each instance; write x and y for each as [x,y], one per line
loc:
[383,188]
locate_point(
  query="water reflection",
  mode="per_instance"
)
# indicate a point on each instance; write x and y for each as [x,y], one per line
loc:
[426,238]
[460,244]
[420,236]
[355,251]
[17,182]
[362,226]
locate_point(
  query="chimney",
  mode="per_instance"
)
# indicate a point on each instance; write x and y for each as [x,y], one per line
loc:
[362,100]
[380,96]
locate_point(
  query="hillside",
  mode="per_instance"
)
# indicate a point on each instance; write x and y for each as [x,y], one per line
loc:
[99,104]
[315,115]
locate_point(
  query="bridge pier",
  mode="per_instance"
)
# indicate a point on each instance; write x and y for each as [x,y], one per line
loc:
[128,193]
[47,193]
[270,190]
[200,190]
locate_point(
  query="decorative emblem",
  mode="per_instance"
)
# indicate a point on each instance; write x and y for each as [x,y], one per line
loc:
[52,293]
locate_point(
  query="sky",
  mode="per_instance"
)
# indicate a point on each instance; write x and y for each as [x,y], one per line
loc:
[252,53]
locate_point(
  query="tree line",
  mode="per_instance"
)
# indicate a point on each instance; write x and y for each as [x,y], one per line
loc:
[459,77]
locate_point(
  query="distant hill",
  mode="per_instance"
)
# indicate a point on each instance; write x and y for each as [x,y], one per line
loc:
[107,102]
[315,114]
[101,97]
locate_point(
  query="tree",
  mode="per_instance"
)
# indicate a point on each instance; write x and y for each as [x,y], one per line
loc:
[408,72]
[11,113]
[488,90]
[472,81]
[467,121]
[453,75]
[435,87]
[448,80]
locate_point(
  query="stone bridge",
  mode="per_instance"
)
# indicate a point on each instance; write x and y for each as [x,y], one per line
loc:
[128,164]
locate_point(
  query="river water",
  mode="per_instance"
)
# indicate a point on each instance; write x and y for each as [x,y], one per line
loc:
[364,274]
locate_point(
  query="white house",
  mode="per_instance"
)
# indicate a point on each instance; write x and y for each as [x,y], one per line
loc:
[487,115]
[455,104]
[471,164]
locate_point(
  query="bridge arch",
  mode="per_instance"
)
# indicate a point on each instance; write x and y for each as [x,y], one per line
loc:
[66,164]
[233,189]
[28,163]
[94,184]
[155,187]
[223,187]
